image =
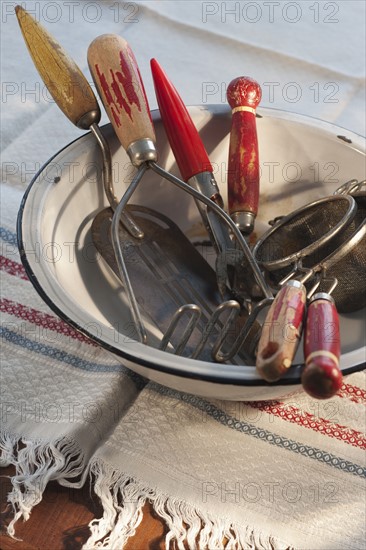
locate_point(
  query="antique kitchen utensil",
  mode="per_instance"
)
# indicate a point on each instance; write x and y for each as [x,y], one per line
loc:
[118,81]
[341,258]
[243,94]
[196,170]
[72,93]
[281,331]
[338,226]
[178,297]
[345,260]
[88,295]
[321,377]
[303,233]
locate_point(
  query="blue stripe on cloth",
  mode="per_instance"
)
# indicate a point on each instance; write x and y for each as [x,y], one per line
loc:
[8,236]
[64,357]
[265,435]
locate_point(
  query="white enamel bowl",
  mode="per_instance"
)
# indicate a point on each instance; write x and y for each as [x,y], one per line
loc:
[302,159]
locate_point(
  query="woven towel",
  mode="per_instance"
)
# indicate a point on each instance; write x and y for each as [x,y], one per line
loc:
[262,475]
[265,475]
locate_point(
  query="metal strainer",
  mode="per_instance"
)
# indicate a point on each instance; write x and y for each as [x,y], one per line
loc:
[347,262]
[304,232]
[336,254]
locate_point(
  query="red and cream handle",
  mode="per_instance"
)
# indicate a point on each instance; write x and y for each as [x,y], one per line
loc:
[118,81]
[243,95]
[321,377]
[281,332]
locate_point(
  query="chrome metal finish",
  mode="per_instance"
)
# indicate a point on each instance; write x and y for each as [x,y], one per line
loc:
[295,284]
[221,357]
[219,234]
[232,305]
[192,323]
[87,120]
[206,184]
[322,296]
[304,251]
[350,187]
[142,150]
[244,221]
[117,217]
[127,221]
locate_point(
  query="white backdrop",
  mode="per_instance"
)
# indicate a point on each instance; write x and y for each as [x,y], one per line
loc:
[309,57]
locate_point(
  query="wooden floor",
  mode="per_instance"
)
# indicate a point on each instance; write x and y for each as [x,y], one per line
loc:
[60,521]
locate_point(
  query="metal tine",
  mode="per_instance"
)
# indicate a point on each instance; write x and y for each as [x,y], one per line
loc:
[192,323]
[218,355]
[320,279]
[258,308]
[234,308]
[349,187]
[298,268]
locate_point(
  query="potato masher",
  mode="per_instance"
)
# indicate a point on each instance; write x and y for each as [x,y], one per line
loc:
[175,289]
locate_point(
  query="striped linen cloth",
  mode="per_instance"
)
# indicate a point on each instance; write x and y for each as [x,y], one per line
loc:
[265,475]
[280,474]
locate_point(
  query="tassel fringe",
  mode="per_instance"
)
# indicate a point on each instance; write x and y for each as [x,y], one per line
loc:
[36,463]
[122,498]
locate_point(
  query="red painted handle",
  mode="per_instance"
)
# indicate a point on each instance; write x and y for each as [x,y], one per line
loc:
[119,84]
[281,332]
[183,136]
[244,95]
[321,377]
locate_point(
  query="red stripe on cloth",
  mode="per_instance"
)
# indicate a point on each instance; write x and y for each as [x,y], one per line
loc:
[307,420]
[13,268]
[354,393]
[42,320]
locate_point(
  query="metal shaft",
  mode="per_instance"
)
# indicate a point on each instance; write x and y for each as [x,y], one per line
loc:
[127,221]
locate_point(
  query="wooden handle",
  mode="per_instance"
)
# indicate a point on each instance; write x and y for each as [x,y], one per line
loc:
[119,84]
[184,139]
[244,95]
[321,377]
[281,332]
[63,78]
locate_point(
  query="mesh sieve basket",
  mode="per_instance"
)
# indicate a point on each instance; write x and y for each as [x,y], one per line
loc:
[347,263]
[338,252]
[303,233]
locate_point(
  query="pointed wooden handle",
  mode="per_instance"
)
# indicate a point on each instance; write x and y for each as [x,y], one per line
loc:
[321,377]
[244,95]
[281,332]
[119,84]
[63,78]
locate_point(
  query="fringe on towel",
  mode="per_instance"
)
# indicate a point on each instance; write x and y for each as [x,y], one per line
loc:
[123,498]
[36,463]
